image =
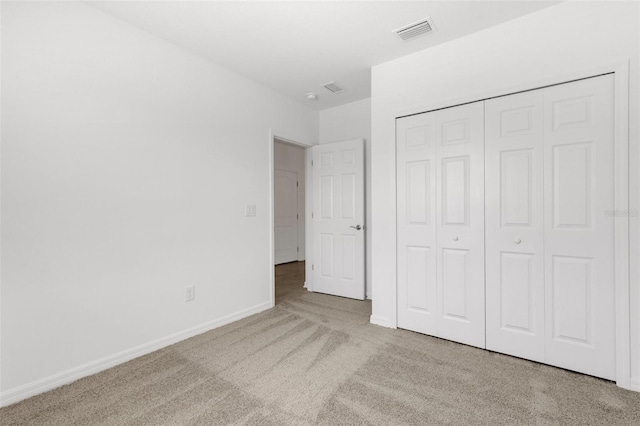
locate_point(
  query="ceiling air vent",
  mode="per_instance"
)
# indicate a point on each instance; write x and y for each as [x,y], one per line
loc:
[333,87]
[415,29]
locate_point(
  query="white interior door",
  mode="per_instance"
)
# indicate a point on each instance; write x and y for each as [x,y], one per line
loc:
[338,219]
[579,234]
[416,195]
[514,225]
[460,223]
[285,216]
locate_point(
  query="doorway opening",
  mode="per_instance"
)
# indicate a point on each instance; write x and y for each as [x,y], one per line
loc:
[289,236]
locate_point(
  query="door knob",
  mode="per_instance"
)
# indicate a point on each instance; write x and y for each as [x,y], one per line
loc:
[358,227]
[455,238]
[517,241]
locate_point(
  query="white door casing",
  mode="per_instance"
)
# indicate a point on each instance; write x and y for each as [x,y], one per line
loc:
[285,216]
[514,225]
[338,219]
[441,223]
[579,234]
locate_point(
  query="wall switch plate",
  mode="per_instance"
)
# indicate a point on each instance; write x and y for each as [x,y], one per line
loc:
[250,210]
[190,293]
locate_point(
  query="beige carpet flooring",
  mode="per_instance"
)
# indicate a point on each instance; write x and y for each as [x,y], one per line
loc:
[315,359]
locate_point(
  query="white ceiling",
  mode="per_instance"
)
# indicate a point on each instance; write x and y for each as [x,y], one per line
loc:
[294,47]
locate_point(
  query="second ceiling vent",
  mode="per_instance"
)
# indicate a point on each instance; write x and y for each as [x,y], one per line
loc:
[333,87]
[415,29]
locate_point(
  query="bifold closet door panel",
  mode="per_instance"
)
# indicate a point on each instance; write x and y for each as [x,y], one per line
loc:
[460,223]
[514,224]
[579,234]
[416,219]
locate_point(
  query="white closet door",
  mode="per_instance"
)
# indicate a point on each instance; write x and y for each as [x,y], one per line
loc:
[579,235]
[514,225]
[416,174]
[460,223]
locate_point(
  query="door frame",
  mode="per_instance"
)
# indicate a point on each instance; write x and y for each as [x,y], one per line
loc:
[308,243]
[620,70]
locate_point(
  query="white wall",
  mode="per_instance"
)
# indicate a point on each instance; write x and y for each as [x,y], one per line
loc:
[353,121]
[291,158]
[559,40]
[126,166]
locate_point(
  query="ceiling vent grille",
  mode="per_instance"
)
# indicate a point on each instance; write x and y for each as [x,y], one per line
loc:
[333,87]
[415,29]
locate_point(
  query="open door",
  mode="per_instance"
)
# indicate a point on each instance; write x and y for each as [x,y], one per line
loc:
[338,219]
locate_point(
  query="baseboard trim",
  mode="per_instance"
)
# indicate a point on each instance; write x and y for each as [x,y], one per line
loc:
[634,385]
[56,380]
[381,321]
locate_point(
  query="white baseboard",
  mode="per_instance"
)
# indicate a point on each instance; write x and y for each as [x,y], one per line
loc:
[381,321]
[634,385]
[56,380]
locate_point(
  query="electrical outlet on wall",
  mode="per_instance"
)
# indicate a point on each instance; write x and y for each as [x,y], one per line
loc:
[190,293]
[250,210]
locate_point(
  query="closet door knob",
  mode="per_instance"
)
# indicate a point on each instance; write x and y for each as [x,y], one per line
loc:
[455,238]
[517,241]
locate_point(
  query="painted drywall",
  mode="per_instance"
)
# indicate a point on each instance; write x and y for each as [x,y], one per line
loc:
[555,41]
[346,122]
[291,158]
[127,163]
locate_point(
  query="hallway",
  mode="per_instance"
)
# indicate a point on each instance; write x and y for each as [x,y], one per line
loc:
[289,281]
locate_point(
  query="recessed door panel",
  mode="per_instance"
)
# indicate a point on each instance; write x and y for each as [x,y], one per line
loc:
[572,185]
[418,192]
[419,137]
[349,263]
[455,271]
[348,156]
[516,187]
[326,255]
[417,277]
[574,112]
[347,191]
[516,287]
[571,299]
[517,121]
[326,197]
[454,131]
[326,160]
[455,190]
